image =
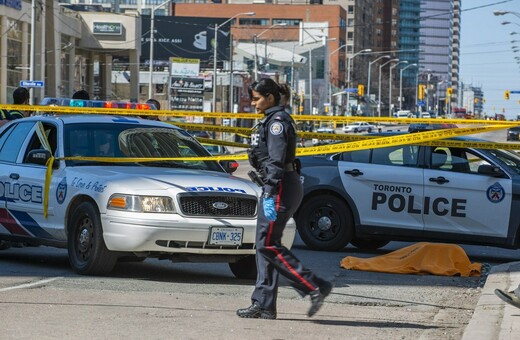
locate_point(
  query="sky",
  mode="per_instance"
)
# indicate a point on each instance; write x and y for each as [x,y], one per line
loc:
[487,59]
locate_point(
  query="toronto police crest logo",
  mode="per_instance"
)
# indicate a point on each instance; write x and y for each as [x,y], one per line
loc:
[61,191]
[495,193]
[276,128]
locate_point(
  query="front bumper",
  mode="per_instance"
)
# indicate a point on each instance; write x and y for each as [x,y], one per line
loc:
[172,233]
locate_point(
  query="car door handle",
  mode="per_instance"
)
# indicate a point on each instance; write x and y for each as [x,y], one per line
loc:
[14,176]
[440,180]
[354,172]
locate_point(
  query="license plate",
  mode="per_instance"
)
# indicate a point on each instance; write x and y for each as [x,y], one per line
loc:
[225,236]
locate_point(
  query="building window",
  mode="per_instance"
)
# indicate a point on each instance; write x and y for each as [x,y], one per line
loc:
[253,22]
[289,22]
[14,51]
[320,69]
[350,36]
[350,9]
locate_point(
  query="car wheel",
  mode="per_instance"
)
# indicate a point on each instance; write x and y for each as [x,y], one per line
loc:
[88,254]
[244,268]
[356,130]
[369,130]
[368,244]
[325,223]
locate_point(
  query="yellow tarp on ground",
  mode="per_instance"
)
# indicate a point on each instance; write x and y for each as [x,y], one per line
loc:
[419,258]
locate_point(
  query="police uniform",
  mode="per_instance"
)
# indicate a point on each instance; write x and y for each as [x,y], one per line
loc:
[272,154]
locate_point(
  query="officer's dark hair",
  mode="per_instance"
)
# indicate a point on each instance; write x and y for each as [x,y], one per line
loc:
[81,94]
[20,96]
[154,102]
[267,86]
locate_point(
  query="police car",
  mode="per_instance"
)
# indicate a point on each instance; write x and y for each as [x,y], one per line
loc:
[411,193]
[102,210]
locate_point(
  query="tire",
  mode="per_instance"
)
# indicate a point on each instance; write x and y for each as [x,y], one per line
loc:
[369,130]
[88,254]
[325,223]
[368,244]
[244,268]
[356,130]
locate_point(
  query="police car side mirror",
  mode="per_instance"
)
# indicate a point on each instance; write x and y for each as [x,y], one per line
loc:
[229,166]
[38,156]
[491,170]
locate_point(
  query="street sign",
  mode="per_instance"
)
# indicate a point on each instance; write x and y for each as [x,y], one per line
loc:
[351,89]
[421,103]
[32,83]
[516,92]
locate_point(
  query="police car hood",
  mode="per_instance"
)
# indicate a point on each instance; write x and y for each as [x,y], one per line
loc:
[125,179]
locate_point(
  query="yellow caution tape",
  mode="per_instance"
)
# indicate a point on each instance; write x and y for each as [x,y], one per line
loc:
[314,118]
[411,138]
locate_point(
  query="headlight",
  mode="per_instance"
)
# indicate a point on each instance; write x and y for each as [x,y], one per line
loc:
[136,203]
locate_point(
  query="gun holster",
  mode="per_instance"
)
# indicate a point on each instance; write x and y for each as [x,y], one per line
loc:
[255,178]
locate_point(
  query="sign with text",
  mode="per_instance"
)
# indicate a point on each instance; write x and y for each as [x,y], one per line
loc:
[193,85]
[32,83]
[190,37]
[184,67]
[107,28]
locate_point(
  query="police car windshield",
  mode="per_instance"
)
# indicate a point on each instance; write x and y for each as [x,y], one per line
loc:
[510,158]
[131,141]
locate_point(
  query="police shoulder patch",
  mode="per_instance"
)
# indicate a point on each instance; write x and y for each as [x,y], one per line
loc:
[276,128]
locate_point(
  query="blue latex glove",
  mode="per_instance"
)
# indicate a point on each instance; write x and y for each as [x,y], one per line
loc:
[269,210]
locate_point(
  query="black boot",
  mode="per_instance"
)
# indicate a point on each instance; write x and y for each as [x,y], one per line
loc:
[254,311]
[317,297]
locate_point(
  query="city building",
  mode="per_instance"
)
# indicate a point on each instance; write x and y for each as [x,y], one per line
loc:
[409,45]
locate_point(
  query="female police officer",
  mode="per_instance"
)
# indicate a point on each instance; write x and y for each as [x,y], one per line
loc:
[272,154]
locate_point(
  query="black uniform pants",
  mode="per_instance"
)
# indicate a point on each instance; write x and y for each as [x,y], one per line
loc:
[272,258]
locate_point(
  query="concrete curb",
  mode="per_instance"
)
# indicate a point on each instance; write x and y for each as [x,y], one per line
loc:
[493,318]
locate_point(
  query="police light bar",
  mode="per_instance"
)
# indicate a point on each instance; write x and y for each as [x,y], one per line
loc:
[107,104]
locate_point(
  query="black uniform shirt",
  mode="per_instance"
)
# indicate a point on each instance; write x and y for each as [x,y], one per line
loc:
[274,147]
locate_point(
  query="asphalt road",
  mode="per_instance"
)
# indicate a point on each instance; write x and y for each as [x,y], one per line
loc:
[40,297]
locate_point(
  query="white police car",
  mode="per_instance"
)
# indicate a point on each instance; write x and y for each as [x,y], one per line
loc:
[411,193]
[102,210]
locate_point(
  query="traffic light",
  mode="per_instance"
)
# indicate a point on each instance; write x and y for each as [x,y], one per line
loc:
[449,91]
[361,90]
[475,100]
[506,94]
[420,92]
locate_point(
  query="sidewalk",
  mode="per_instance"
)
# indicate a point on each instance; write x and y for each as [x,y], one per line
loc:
[493,318]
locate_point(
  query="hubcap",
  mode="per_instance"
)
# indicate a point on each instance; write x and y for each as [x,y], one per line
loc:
[324,223]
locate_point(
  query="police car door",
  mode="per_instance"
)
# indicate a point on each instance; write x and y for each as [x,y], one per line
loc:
[28,184]
[386,185]
[11,141]
[460,200]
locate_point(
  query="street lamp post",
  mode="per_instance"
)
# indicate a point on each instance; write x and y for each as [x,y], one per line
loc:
[215,47]
[255,38]
[32,51]
[330,72]
[509,22]
[152,29]
[390,86]
[370,73]
[367,50]
[401,84]
[379,95]
[497,13]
